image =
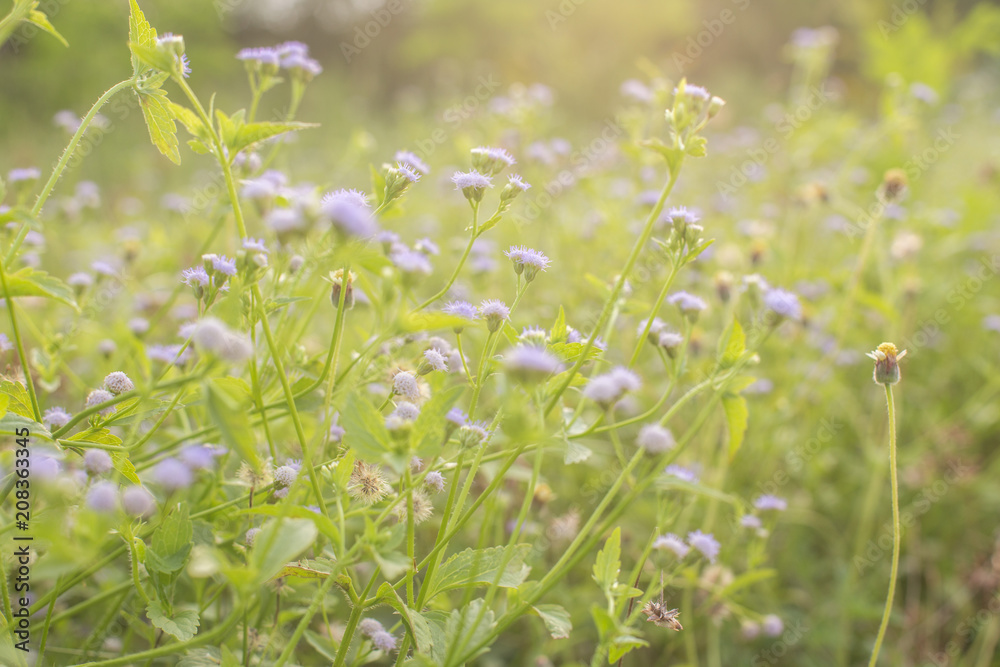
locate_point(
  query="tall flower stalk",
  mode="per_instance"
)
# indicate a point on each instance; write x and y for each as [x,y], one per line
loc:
[886,358]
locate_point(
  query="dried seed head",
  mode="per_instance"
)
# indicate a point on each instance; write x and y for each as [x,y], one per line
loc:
[367,484]
[422,508]
[658,614]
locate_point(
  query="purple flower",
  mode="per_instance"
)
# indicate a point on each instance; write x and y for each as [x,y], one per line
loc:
[56,417]
[171,474]
[99,396]
[462,309]
[783,303]
[137,501]
[406,411]
[515,182]
[436,360]
[411,261]
[118,383]
[681,214]
[770,502]
[457,417]
[751,521]
[404,383]
[427,247]
[491,160]
[435,480]
[356,197]
[349,216]
[697,92]
[671,542]
[200,457]
[772,625]
[527,261]
[97,461]
[5,344]
[384,641]
[655,439]
[23,174]
[705,543]
[102,497]
[224,265]
[413,161]
[608,388]
[285,475]
[196,276]
[369,626]
[530,363]
[495,312]
[472,184]
[688,304]
[261,55]
[680,472]
[256,245]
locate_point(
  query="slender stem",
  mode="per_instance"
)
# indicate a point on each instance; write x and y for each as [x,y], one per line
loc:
[306,618]
[609,305]
[352,622]
[674,268]
[461,262]
[890,408]
[9,299]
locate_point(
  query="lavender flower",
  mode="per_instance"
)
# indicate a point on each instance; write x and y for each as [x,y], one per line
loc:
[413,161]
[56,417]
[5,344]
[250,536]
[472,184]
[356,197]
[195,277]
[681,473]
[751,521]
[411,262]
[473,434]
[23,174]
[349,216]
[406,411]
[97,462]
[255,245]
[528,363]
[772,625]
[783,303]
[491,161]
[211,335]
[495,313]
[608,389]
[689,304]
[285,475]
[98,396]
[171,474]
[527,261]
[200,457]
[384,641]
[655,439]
[102,497]
[671,542]
[137,501]
[369,626]
[435,480]
[433,361]
[404,383]
[118,383]
[770,502]
[515,186]
[704,543]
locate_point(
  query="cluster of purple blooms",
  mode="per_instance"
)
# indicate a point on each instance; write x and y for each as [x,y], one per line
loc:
[290,56]
[704,543]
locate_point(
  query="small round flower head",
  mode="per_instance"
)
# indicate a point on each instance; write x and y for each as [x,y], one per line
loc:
[411,262]
[750,630]
[255,245]
[97,462]
[80,280]
[262,57]
[491,161]
[462,309]
[422,508]
[356,197]
[404,383]
[515,186]
[349,216]
[406,411]
[250,536]
[384,641]
[301,67]
[211,335]
[528,363]
[433,361]
[783,304]
[195,277]
[337,432]
[434,480]
[769,502]
[23,174]
[671,542]
[107,347]
[689,304]
[751,521]
[201,457]
[171,43]
[285,475]
[5,344]
[413,161]
[171,474]
[138,326]
[534,336]
[56,418]
[772,625]
[655,439]
[118,383]
[369,626]
[99,396]
[473,434]
[137,501]
[223,265]
[681,473]
[472,184]
[608,388]
[527,261]
[367,484]
[680,215]
[457,417]
[655,328]
[704,543]
[886,357]
[495,313]
[102,497]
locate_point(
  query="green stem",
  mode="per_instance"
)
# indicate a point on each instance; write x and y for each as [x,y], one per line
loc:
[21,355]
[461,262]
[674,268]
[352,622]
[890,408]
[609,305]
[300,629]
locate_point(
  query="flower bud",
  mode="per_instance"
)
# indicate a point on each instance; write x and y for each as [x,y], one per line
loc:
[886,358]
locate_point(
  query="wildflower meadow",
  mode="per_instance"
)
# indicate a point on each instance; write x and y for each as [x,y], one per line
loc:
[439,332]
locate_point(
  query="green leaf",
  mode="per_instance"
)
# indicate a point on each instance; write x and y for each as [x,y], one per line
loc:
[182,624]
[307,569]
[608,562]
[279,542]
[19,401]
[31,282]
[323,523]
[139,32]
[558,332]
[120,459]
[160,122]
[172,542]
[364,429]
[556,620]
[4,402]
[737,418]
[732,344]
[189,120]
[622,644]
[575,452]
[252,133]
[480,566]
[227,409]
[11,422]
[152,57]
[42,21]
[460,628]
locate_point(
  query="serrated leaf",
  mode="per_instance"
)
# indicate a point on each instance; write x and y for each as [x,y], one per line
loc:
[732,344]
[172,542]
[182,624]
[480,566]
[737,418]
[251,133]
[556,620]
[575,452]
[19,401]
[11,422]
[364,429]
[162,130]
[31,282]
[189,120]
[460,628]
[152,57]
[278,542]
[42,21]
[139,32]
[608,562]
[558,332]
